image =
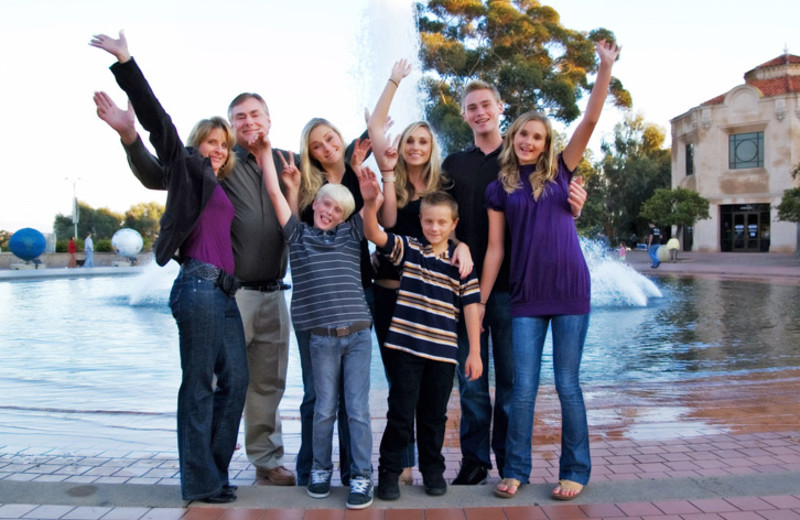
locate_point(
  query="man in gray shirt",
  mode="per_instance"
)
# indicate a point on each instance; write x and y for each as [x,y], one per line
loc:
[260,254]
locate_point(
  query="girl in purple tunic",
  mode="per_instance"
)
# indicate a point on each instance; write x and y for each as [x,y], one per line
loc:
[549,282]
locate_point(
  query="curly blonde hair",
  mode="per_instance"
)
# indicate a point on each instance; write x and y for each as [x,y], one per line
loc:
[312,175]
[546,167]
[432,174]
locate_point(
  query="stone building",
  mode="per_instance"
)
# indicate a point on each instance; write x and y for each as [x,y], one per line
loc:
[737,150]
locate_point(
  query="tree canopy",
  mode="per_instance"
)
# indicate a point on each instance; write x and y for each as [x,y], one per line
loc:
[519,46]
[103,223]
[144,218]
[634,164]
[679,207]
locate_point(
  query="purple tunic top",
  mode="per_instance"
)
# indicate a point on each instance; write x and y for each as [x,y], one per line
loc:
[210,240]
[549,275]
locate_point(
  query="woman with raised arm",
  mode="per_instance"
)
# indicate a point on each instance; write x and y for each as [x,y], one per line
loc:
[195,230]
[410,169]
[549,282]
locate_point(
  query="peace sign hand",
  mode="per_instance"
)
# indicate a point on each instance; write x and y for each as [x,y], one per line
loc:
[290,173]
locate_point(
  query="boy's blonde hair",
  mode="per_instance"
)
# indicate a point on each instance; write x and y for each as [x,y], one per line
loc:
[340,195]
[478,84]
[546,167]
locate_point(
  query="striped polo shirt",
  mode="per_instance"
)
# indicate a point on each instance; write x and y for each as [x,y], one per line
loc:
[429,300]
[326,273]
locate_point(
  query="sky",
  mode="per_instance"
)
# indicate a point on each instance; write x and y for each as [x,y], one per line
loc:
[313,58]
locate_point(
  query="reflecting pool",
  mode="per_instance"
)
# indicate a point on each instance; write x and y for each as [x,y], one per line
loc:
[97,358]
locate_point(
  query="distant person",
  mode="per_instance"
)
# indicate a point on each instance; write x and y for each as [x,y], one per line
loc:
[549,282]
[653,243]
[197,224]
[330,309]
[673,245]
[623,252]
[72,249]
[88,248]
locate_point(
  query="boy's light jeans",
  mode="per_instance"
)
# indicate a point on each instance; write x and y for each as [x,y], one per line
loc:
[348,358]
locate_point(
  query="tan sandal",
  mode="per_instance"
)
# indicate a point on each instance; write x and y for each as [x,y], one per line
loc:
[511,486]
[567,485]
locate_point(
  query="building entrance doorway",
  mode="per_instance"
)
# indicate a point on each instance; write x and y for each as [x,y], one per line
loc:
[744,228]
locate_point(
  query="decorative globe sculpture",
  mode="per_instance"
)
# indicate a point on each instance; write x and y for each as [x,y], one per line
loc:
[127,243]
[27,244]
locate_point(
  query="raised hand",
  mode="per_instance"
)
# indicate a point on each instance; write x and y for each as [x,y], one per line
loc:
[400,70]
[360,151]
[607,51]
[122,121]
[368,184]
[290,173]
[117,47]
[390,154]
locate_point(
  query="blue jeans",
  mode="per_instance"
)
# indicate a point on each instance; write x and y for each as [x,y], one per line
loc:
[569,334]
[476,403]
[653,252]
[211,344]
[305,456]
[89,262]
[342,362]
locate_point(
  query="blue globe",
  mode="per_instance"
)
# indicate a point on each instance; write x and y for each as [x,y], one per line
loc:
[27,244]
[127,242]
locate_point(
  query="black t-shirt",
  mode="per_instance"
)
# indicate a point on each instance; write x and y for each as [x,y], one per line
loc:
[656,234]
[470,172]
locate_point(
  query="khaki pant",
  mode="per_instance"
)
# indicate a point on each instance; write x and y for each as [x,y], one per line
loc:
[266,330]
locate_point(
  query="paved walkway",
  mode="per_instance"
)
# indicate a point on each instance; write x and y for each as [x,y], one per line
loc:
[751,472]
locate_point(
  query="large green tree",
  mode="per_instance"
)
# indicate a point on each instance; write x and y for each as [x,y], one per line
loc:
[634,164]
[102,223]
[519,46]
[679,207]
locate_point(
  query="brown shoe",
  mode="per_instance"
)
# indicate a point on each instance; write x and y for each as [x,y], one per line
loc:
[277,476]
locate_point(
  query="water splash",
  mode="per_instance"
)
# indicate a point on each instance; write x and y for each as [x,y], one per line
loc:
[152,286]
[615,283]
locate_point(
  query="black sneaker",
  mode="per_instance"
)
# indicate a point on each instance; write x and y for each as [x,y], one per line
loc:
[360,493]
[320,485]
[388,489]
[435,484]
[471,474]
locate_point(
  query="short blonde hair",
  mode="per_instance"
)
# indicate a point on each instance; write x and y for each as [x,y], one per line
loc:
[478,84]
[200,132]
[340,195]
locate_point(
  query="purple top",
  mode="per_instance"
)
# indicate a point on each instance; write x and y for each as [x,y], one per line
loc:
[549,275]
[210,240]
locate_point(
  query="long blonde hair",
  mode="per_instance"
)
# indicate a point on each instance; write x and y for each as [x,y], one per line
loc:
[431,175]
[312,175]
[546,167]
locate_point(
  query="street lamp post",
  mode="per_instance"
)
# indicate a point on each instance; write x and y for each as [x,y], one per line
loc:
[75,212]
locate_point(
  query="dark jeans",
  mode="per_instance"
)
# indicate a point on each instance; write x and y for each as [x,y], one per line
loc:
[385,300]
[305,456]
[476,403]
[423,386]
[211,344]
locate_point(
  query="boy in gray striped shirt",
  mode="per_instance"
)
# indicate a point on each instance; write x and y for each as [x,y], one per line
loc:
[328,300]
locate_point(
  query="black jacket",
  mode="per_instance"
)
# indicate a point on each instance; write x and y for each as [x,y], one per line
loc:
[186,175]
